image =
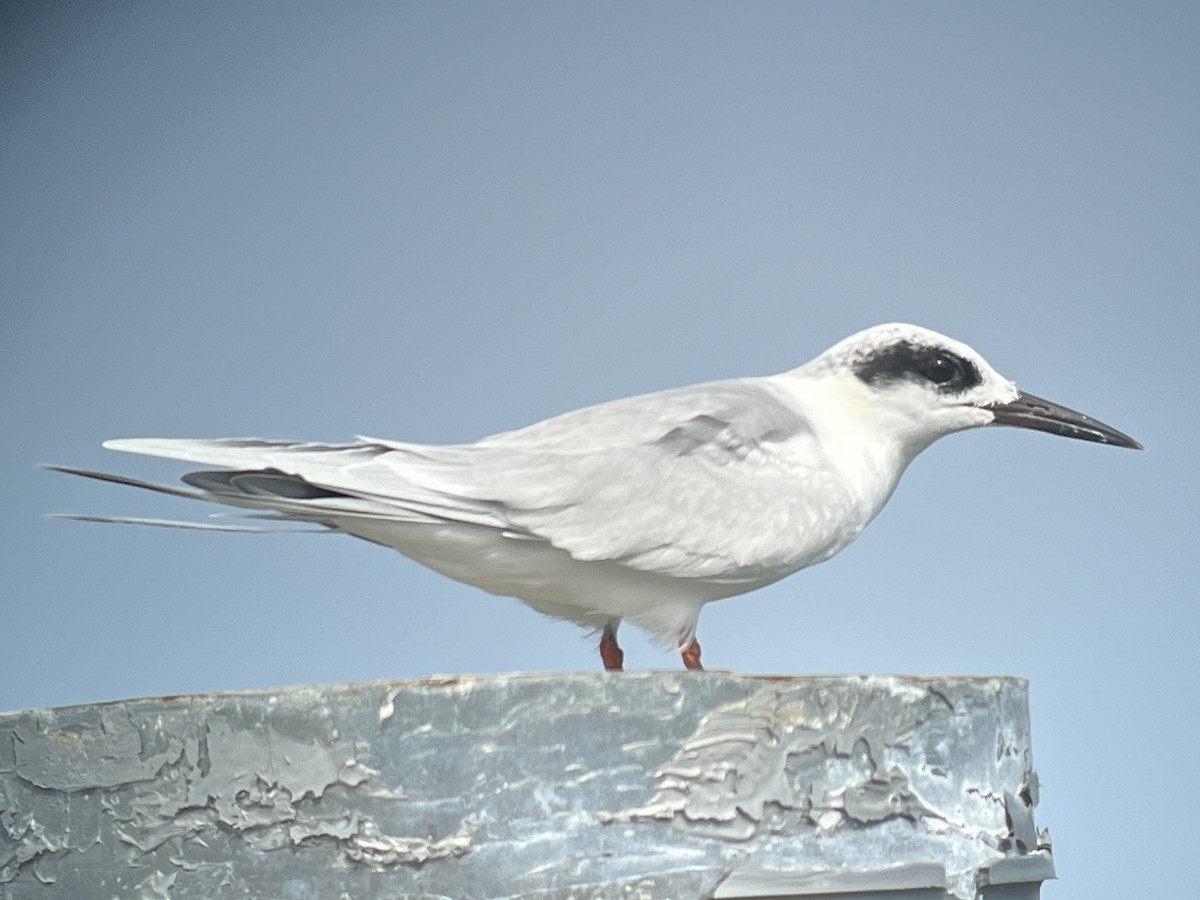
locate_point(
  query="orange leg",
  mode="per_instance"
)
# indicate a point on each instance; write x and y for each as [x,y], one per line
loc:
[610,652]
[691,655]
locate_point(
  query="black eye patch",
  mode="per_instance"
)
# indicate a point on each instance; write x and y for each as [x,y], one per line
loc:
[948,372]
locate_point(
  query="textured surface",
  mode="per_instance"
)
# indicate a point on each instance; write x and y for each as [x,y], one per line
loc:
[636,785]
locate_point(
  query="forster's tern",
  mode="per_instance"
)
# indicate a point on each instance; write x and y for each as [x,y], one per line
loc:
[642,509]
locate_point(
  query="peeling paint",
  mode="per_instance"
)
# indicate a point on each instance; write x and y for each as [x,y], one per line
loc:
[560,784]
[740,760]
[156,886]
[93,747]
[369,846]
[796,758]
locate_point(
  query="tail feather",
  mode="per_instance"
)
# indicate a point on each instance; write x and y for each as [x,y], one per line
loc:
[126,480]
[190,526]
[284,496]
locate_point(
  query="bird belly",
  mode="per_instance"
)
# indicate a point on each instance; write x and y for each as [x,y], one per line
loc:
[592,593]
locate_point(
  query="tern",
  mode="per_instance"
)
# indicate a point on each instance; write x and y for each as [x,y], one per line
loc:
[642,509]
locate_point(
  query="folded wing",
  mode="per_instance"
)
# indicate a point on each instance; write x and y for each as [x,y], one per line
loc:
[655,482]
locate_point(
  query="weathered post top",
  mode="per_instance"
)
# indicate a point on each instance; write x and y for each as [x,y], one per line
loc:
[647,784]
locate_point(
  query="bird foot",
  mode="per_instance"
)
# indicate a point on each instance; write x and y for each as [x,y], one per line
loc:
[691,655]
[611,653]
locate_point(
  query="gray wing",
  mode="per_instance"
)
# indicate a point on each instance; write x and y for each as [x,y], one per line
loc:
[709,481]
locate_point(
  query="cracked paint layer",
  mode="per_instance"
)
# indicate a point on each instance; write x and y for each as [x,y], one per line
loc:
[506,786]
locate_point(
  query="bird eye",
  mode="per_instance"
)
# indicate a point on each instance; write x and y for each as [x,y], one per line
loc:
[940,369]
[944,370]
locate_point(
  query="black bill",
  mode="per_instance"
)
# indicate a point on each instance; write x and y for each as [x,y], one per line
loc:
[1028,411]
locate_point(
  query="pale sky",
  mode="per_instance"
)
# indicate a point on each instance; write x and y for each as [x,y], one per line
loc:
[436,221]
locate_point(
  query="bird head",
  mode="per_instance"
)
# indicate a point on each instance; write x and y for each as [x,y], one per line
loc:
[919,385]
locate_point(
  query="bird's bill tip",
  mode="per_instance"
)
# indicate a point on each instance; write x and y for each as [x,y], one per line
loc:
[1028,411]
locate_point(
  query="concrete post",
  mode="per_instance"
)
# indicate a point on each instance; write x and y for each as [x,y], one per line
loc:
[629,785]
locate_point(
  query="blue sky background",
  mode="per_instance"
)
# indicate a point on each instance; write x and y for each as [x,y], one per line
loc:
[436,221]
